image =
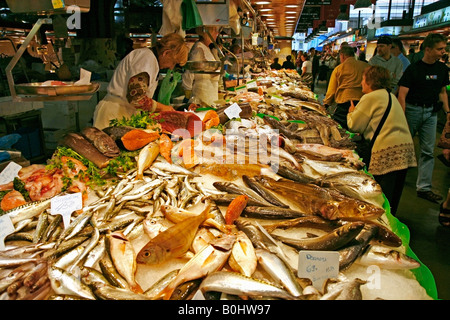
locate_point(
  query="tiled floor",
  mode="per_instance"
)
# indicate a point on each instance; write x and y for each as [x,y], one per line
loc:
[428,239]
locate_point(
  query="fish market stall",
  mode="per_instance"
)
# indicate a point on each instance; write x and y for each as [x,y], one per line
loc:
[230,201]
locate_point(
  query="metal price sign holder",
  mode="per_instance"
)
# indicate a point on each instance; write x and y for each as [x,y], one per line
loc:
[40,91]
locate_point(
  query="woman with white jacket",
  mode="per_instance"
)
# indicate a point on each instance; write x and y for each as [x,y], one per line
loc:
[393,150]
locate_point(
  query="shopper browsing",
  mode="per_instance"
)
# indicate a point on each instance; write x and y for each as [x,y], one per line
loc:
[386,59]
[393,149]
[422,92]
[345,84]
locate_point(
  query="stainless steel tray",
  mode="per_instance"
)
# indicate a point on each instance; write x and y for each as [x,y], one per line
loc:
[68,89]
[204,66]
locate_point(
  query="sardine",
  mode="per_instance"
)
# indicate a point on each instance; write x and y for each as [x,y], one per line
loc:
[387,258]
[173,242]
[27,211]
[159,285]
[110,272]
[238,284]
[208,260]
[67,259]
[41,227]
[108,292]
[263,192]
[331,241]
[95,254]
[173,168]
[146,157]
[124,258]
[89,246]
[243,257]
[63,282]
[75,227]
[186,290]
[89,276]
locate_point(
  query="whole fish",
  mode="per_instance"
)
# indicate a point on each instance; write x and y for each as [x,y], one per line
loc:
[95,254]
[67,259]
[108,292]
[353,250]
[89,246]
[279,271]
[41,227]
[292,174]
[153,226]
[261,238]
[234,188]
[331,241]
[27,211]
[356,184]
[63,282]
[176,215]
[173,168]
[243,257]
[146,157]
[238,284]
[124,259]
[89,276]
[173,242]
[211,258]
[345,290]
[111,274]
[261,190]
[227,198]
[202,238]
[102,141]
[313,199]
[75,227]
[387,258]
[272,212]
[159,285]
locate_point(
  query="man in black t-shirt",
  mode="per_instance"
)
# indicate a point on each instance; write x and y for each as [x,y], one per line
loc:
[422,92]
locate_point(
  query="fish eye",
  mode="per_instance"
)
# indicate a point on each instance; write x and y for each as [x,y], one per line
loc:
[146,253]
[362,206]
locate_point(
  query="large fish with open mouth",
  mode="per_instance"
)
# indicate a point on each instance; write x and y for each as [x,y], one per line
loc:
[312,199]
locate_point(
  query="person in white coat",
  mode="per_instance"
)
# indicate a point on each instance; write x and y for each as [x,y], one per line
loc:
[204,88]
[135,79]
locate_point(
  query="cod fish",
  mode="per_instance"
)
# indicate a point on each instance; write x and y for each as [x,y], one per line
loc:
[210,259]
[124,259]
[238,284]
[146,157]
[173,242]
[387,258]
[355,184]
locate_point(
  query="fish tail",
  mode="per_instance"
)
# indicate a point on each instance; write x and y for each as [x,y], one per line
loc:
[136,288]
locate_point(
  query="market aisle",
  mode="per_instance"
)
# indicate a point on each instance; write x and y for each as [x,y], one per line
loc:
[429,240]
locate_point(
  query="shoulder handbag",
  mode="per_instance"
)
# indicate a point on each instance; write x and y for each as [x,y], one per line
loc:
[364,146]
[444,139]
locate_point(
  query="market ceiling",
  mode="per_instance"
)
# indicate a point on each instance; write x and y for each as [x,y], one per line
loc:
[285,17]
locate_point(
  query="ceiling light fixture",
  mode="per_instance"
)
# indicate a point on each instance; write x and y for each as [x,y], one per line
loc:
[262,2]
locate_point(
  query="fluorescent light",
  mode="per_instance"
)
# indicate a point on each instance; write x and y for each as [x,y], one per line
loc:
[262,2]
[293,12]
[291,6]
[265,9]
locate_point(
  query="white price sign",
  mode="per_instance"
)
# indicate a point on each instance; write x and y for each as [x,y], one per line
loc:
[66,205]
[318,266]
[6,228]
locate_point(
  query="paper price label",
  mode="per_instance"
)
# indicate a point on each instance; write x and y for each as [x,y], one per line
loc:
[6,228]
[9,173]
[318,266]
[65,205]
[233,111]
[252,84]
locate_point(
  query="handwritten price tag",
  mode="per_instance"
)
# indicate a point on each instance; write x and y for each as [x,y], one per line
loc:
[6,228]
[65,205]
[318,266]
[9,173]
